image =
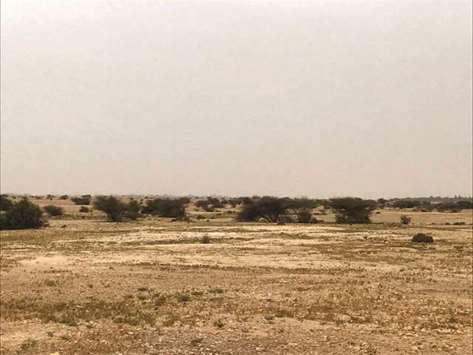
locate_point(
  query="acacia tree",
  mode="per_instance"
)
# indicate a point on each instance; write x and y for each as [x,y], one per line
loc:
[352,210]
[301,208]
[267,208]
[167,207]
[111,206]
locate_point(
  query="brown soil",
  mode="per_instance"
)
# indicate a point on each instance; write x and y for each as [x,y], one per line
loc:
[153,287]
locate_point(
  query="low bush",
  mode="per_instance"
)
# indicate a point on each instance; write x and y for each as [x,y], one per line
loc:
[405,220]
[205,239]
[84,209]
[22,215]
[305,216]
[422,238]
[53,211]
[83,200]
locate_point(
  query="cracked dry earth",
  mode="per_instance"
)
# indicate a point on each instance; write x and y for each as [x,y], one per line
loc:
[156,287]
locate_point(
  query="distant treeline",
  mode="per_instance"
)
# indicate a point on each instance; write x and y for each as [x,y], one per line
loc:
[21,213]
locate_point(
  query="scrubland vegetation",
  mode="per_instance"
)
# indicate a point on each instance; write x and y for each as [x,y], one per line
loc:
[241,275]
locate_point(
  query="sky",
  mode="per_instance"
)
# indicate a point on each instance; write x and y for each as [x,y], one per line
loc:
[287,98]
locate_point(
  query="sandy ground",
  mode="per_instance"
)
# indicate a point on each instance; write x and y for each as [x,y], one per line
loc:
[84,286]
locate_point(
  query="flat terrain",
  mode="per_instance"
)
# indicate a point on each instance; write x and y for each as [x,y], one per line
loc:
[85,286]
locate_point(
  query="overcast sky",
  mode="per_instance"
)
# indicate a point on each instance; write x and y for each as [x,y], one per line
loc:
[316,98]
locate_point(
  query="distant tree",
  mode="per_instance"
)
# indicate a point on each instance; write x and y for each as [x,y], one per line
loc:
[454,206]
[166,207]
[406,203]
[305,216]
[5,203]
[22,215]
[84,200]
[133,209]
[267,208]
[381,202]
[274,209]
[465,204]
[235,202]
[352,210]
[111,206]
[53,211]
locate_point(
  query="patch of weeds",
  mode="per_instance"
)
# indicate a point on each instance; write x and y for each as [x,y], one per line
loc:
[219,323]
[183,297]
[142,297]
[216,290]
[197,293]
[170,319]
[196,341]
[72,313]
[51,283]
[205,239]
[28,345]
[158,299]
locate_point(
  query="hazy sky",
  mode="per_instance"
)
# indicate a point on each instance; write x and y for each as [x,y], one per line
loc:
[316,98]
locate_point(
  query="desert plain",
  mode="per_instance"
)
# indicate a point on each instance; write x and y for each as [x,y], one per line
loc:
[211,285]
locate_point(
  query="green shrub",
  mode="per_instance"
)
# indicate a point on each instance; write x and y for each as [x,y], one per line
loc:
[352,210]
[5,203]
[133,209]
[111,206]
[267,208]
[117,210]
[166,207]
[305,216]
[405,220]
[83,200]
[422,238]
[205,239]
[53,211]
[274,209]
[22,215]
[454,206]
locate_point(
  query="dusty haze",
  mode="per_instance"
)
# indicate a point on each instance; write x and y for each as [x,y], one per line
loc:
[316,98]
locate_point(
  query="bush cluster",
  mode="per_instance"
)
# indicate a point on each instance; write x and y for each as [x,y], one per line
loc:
[274,209]
[456,206]
[405,220]
[210,204]
[116,210]
[21,215]
[166,207]
[53,211]
[5,203]
[83,200]
[352,209]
